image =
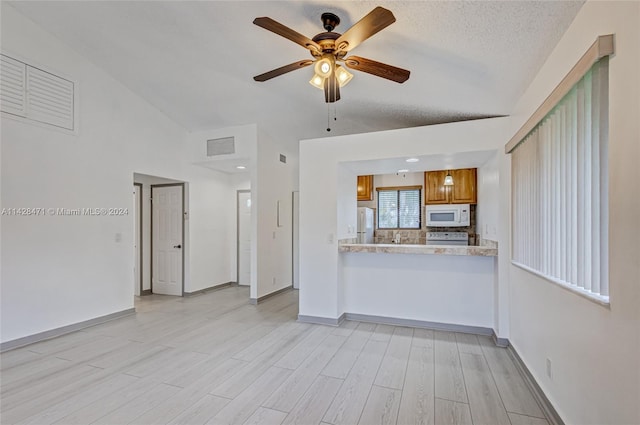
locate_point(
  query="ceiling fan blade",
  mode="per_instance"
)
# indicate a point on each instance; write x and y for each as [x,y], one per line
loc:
[286,32]
[377,20]
[378,69]
[282,70]
[331,89]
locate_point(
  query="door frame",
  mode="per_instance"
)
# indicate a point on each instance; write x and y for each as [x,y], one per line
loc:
[140,224]
[151,233]
[295,232]
[238,192]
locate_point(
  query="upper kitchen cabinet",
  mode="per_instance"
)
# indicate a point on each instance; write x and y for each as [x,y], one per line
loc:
[365,188]
[463,190]
[435,192]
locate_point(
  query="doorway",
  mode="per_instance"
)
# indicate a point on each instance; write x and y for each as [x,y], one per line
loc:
[137,239]
[244,237]
[167,239]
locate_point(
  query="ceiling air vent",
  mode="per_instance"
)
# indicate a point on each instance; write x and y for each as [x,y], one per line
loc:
[223,146]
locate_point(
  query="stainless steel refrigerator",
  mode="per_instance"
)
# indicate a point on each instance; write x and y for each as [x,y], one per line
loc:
[365,225]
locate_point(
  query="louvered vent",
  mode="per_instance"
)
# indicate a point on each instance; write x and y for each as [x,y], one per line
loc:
[223,146]
[38,95]
[13,84]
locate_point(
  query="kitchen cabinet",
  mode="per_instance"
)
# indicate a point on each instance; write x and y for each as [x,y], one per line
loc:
[365,188]
[435,192]
[463,190]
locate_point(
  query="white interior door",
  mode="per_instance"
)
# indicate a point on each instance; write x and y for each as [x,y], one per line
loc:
[166,240]
[137,277]
[296,237]
[244,238]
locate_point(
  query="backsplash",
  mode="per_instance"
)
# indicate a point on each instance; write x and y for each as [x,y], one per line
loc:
[419,236]
[406,236]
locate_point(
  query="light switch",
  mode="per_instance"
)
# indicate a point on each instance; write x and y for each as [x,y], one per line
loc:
[330,238]
[118,237]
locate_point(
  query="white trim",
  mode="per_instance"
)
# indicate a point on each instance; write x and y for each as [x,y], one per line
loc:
[603,46]
[596,298]
[52,333]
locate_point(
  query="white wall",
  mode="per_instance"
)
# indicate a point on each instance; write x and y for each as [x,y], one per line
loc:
[430,288]
[327,194]
[595,350]
[488,208]
[275,182]
[58,271]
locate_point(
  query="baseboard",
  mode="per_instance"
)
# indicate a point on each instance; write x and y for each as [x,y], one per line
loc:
[145,292]
[209,289]
[477,330]
[500,342]
[255,301]
[30,339]
[548,409]
[322,320]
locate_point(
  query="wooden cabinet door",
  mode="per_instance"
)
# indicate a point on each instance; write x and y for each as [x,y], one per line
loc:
[435,192]
[463,190]
[365,188]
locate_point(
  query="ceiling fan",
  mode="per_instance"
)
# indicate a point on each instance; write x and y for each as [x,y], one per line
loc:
[330,48]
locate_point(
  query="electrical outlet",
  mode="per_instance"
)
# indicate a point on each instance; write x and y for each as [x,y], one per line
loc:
[274,235]
[549,371]
[274,281]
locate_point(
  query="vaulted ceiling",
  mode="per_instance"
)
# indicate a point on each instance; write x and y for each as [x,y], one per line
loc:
[195,60]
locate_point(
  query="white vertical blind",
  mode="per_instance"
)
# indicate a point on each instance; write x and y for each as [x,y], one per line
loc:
[559,173]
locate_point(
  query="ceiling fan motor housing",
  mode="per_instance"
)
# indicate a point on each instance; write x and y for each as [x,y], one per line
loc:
[329,21]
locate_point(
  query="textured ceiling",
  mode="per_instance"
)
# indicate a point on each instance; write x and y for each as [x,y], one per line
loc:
[195,60]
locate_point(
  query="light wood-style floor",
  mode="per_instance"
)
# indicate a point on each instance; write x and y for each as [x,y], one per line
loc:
[215,359]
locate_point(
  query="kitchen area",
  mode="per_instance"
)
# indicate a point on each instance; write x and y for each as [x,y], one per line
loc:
[419,258]
[407,271]
[419,212]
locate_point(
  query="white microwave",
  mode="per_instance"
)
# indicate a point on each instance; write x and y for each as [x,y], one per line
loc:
[450,215]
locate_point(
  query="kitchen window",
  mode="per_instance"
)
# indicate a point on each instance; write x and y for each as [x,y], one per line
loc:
[399,207]
[559,189]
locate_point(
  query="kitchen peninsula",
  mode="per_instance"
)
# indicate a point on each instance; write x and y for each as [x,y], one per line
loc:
[483,251]
[437,286]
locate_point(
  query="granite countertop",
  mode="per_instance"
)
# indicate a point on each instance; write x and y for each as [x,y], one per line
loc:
[482,251]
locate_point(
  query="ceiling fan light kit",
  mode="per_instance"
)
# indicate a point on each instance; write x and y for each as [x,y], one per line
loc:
[328,48]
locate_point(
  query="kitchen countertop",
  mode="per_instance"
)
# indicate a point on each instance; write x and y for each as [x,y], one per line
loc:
[482,251]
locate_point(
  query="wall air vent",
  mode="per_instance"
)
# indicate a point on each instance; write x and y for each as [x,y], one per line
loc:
[34,94]
[222,146]
[283,159]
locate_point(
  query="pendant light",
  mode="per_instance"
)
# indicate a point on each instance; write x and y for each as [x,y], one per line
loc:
[448,180]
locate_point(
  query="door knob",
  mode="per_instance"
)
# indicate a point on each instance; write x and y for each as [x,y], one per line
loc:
[177,246]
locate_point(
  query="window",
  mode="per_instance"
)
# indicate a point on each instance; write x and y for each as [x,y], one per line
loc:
[34,94]
[399,208]
[559,190]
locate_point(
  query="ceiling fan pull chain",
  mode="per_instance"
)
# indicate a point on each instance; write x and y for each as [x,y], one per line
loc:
[328,115]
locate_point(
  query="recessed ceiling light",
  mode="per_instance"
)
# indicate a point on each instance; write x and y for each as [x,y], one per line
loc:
[403,171]
[240,167]
[412,160]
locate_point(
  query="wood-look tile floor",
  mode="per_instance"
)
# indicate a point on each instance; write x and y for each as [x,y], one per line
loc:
[216,359]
